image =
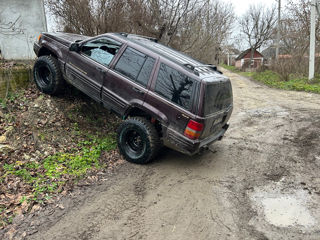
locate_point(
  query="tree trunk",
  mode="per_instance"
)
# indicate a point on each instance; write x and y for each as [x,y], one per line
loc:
[251,58]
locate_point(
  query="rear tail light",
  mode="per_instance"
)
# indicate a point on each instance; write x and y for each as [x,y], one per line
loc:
[193,130]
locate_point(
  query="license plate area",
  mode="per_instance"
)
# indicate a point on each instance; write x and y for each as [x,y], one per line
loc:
[216,124]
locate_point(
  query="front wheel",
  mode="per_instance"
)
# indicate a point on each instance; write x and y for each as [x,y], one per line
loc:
[47,75]
[138,140]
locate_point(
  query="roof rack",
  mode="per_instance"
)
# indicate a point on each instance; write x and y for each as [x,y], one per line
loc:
[138,36]
[193,68]
[124,34]
[145,37]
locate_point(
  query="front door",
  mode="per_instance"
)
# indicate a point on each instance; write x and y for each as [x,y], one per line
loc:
[86,69]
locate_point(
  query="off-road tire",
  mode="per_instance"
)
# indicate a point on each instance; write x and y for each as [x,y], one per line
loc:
[149,139]
[47,75]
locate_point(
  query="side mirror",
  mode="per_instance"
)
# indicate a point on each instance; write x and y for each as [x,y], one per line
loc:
[74,47]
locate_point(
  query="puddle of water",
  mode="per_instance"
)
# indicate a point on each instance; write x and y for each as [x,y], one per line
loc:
[286,211]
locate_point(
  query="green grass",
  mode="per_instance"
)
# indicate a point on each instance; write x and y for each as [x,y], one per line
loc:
[47,176]
[272,79]
[230,68]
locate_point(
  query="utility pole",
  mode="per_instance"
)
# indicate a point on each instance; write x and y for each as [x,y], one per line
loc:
[312,39]
[279,28]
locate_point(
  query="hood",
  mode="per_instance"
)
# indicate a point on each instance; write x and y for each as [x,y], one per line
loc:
[66,38]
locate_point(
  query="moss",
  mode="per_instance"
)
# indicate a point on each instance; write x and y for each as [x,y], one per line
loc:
[13,79]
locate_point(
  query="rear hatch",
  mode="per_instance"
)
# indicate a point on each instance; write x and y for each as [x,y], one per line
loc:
[217,105]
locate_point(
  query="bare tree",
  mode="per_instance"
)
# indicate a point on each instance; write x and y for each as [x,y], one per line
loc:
[187,25]
[296,27]
[257,25]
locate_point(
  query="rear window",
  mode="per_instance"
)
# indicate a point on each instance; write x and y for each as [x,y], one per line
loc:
[217,97]
[175,86]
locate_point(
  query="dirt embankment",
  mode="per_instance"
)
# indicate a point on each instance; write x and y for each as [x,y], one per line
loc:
[46,145]
[260,182]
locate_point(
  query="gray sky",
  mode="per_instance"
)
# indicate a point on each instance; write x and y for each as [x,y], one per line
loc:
[240,6]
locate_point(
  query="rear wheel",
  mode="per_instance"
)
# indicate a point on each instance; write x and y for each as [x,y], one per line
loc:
[47,75]
[138,140]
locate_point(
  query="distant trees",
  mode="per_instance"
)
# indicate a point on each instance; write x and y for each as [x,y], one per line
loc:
[257,26]
[187,25]
[295,34]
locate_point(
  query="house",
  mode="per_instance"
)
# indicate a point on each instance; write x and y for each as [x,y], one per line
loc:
[243,60]
[20,24]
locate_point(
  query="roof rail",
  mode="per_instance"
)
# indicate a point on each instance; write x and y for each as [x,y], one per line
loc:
[124,34]
[145,37]
[193,68]
[188,65]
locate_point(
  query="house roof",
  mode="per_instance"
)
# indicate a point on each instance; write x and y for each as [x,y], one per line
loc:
[244,53]
[270,52]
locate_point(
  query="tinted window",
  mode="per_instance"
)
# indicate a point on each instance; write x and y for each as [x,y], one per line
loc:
[101,50]
[217,97]
[174,86]
[145,72]
[135,66]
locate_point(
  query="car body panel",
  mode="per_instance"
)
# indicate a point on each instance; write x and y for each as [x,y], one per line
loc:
[120,94]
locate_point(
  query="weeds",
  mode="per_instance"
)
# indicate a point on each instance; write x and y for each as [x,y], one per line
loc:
[54,171]
[272,79]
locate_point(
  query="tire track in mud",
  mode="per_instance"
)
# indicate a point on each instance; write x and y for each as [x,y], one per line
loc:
[272,143]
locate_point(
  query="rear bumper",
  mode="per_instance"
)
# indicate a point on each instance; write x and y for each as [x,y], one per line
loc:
[190,147]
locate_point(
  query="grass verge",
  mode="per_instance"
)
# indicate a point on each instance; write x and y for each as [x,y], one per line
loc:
[272,79]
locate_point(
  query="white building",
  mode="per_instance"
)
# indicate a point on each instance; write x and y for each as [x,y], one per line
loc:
[21,21]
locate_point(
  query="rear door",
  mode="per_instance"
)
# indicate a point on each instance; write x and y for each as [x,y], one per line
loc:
[217,106]
[86,69]
[126,84]
[172,95]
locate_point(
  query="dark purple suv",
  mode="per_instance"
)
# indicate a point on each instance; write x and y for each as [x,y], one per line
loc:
[164,96]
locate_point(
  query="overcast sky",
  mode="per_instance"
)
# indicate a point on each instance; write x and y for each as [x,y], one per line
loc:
[240,6]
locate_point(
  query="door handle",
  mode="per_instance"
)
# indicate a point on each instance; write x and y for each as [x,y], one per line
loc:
[137,90]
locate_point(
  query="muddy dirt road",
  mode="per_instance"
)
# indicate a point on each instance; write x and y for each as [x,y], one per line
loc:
[261,182]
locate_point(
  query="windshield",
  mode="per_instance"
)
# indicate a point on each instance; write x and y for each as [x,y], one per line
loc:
[101,50]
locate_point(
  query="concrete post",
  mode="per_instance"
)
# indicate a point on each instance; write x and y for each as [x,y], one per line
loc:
[312,39]
[278,30]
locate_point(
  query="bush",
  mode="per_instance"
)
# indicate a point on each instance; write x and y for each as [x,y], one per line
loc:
[284,67]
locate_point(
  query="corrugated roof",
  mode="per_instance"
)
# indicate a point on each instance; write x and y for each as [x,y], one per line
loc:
[244,53]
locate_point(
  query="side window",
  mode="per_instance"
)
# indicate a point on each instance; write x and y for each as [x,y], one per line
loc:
[174,86]
[135,65]
[101,50]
